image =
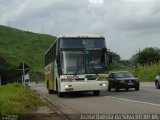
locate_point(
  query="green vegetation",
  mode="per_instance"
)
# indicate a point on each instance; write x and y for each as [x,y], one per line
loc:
[17,46]
[144,73]
[17,99]
[147,64]
[120,66]
[148,72]
[147,56]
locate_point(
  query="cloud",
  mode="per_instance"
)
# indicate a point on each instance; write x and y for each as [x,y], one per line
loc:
[127,25]
[139,0]
[96,1]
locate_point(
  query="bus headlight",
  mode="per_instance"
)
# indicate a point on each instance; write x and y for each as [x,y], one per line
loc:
[68,86]
[103,84]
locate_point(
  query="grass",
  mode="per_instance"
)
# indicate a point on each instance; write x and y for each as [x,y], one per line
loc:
[145,73]
[17,46]
[117,66]
[18,99]
[148,73]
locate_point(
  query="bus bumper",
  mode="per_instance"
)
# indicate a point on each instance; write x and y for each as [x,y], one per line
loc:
[83,86]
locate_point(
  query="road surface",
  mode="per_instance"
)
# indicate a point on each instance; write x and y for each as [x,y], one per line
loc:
[144,101]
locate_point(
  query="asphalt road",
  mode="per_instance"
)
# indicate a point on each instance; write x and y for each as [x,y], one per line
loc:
[144,101]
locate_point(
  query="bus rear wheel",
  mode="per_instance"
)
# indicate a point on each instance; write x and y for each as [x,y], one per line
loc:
[50,91]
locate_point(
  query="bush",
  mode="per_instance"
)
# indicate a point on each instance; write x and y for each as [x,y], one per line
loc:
[148,72]
[17,99]
[147,56]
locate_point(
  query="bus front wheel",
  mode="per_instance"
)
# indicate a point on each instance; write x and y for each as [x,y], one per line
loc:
[96,92]
[60,94]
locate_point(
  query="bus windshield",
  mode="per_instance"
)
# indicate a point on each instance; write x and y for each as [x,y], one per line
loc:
[82,43]
[72,62]
[82,62]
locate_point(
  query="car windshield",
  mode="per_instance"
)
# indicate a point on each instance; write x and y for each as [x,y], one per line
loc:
[123,74]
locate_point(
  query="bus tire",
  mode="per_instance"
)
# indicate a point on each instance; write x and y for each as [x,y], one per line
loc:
[47,84]
[60,94]
[56,87]
[50,91]
[109,87]
[96,92]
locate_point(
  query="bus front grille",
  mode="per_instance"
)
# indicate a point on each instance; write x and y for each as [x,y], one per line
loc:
[79,79]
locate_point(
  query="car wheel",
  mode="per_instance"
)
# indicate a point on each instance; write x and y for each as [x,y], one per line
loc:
[157,84]
[137,88]
[117,88]
[109,88]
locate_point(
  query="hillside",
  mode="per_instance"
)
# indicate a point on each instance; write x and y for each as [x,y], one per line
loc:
[120,66]
[17,46]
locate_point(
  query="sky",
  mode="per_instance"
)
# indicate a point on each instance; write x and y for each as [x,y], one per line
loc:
[127,25]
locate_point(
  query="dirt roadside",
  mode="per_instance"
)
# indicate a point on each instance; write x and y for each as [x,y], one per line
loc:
[53,110]
[45,113]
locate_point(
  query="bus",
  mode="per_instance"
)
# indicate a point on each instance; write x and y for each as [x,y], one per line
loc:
[77,63]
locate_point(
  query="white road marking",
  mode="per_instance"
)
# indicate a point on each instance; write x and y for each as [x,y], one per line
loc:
[153,104]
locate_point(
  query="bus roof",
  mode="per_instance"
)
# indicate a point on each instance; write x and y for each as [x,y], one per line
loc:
[81,36]
[75,36]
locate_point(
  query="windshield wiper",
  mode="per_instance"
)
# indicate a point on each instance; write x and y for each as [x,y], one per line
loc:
[94,68]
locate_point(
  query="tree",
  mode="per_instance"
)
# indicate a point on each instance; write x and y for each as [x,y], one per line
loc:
[147,56]
[8,72]
[115,56]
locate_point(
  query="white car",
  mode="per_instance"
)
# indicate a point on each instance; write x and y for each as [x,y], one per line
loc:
[157,81]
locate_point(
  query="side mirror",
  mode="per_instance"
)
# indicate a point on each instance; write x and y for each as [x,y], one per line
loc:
[108,58]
